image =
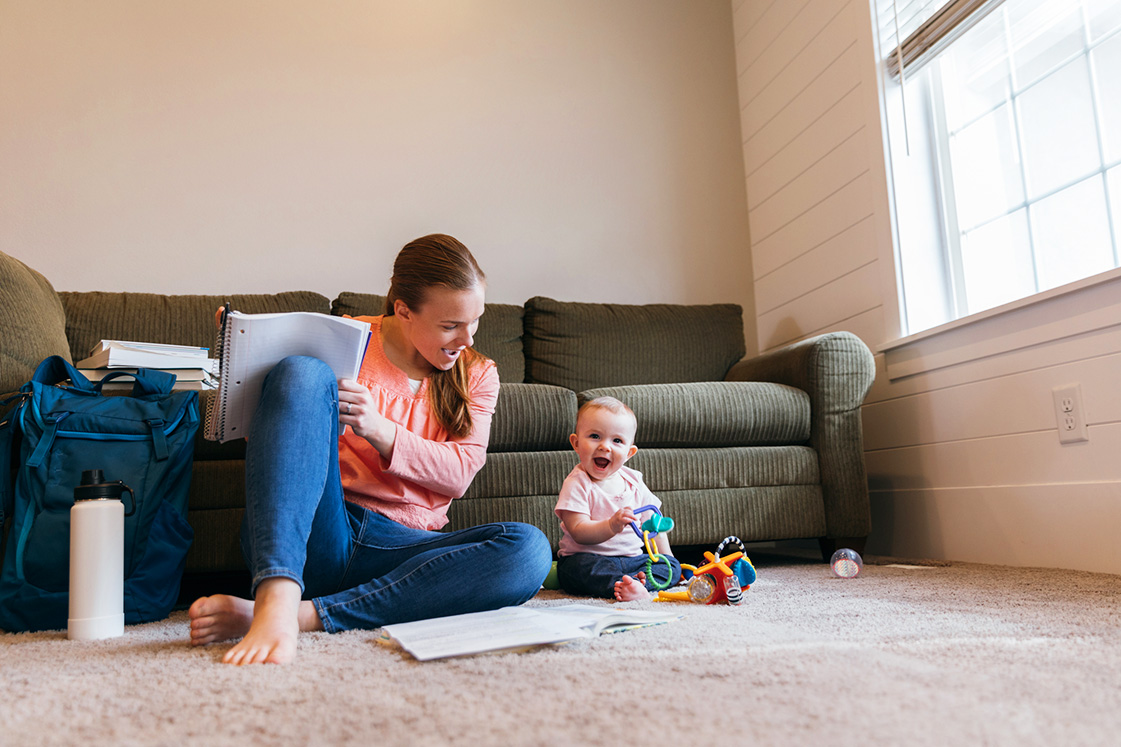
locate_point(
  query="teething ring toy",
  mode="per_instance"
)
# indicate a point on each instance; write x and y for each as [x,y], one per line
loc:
[650,529]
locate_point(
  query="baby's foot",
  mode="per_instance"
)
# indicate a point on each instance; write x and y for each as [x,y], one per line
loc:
[272,634]
[219,618]
[629,589]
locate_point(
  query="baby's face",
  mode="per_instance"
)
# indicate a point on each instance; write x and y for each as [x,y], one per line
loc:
[604,441]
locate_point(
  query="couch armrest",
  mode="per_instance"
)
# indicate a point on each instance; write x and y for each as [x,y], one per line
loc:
[836,371]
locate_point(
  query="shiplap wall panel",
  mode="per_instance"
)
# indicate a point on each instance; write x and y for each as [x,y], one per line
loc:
[817,309]
[867,325]
[849,250]
[807,102]
[813,102]
[765,32]
[829,218]
[1049,526]
[964,460]
[774,94]
[745,15]
[1067,352]
[841,123]
[827,175]
[1008,459]
[798,35]
[1014,404]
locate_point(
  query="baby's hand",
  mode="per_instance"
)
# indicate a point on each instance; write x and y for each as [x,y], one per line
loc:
[621,520]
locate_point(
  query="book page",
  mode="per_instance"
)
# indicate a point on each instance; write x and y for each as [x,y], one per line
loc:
[515,628]
[155,347]
[597,619]
[257,342]
[479,632]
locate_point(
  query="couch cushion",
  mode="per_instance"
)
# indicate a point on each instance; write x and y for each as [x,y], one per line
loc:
[714,413]
[180,320]
[587,345]
[532,417]
[499,336]
[349,303]
[32,323]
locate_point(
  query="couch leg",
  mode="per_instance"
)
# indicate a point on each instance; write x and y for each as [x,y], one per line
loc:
[830,545]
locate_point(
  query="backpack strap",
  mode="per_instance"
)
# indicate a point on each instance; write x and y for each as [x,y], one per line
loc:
[54,370]
[9,442]
[147,381]
[47,440]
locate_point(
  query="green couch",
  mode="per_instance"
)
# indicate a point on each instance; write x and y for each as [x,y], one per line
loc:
[766,448]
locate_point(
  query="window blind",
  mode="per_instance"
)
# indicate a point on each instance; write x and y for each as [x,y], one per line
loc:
[925,26]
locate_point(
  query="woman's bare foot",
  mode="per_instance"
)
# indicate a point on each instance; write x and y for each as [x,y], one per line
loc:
[629,589]
[219,618]
[272,634]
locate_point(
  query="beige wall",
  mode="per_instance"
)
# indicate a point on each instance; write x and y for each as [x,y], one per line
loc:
[961,437]
[585,150]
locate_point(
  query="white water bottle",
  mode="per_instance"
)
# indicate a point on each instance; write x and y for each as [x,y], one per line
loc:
[97,559]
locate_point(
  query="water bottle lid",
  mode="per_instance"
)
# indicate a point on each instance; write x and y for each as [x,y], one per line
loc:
[94,487]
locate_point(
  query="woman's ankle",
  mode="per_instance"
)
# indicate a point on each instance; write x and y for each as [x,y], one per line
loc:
[310,621]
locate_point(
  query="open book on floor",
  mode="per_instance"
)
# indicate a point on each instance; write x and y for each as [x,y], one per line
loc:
[516,629]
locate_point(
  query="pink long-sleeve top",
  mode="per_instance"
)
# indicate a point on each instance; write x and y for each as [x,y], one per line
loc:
[429,468]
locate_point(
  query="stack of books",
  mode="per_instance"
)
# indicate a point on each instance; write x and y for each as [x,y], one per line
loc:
[192,366]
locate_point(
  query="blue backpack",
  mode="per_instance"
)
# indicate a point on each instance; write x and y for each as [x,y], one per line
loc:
[47,440]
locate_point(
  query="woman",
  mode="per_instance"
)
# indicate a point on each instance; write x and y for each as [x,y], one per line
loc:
[338,530]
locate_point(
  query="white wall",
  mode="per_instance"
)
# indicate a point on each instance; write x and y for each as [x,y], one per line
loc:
[962,445]
[585,150]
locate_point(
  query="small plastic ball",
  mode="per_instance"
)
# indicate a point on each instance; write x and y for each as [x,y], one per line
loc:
[846,563]
[701,589]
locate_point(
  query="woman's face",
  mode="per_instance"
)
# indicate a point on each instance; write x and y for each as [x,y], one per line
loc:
[444,325]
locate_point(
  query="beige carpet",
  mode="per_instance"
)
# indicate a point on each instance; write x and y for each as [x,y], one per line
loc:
[957,654]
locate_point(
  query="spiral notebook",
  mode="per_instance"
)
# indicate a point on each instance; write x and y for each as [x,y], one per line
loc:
[248,347]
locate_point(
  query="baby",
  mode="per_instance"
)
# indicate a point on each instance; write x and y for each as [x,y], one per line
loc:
[600,555]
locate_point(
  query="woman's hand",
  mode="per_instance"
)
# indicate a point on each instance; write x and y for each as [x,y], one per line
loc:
[358,410]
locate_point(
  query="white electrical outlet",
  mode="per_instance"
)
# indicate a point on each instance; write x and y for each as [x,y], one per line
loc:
[1069,413]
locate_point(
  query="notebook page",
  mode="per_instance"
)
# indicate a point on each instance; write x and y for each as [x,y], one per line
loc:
[257,342]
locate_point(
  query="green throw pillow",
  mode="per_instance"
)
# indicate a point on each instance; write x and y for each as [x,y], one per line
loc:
[588,345]
[32,323]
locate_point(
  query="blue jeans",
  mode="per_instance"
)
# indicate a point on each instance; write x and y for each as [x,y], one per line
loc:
[361,569]
[587,574]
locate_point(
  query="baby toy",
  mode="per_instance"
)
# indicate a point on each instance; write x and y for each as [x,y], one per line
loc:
[846,563]
[650,529]
[721,579]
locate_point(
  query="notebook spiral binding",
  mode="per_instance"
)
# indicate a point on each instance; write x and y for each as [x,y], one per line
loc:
[216,408]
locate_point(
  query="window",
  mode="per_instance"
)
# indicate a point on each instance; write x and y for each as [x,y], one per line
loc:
[1005,148]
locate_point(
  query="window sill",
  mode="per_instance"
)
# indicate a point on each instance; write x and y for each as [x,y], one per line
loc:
[1073,309]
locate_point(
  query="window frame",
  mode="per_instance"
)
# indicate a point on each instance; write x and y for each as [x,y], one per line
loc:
[940,167]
